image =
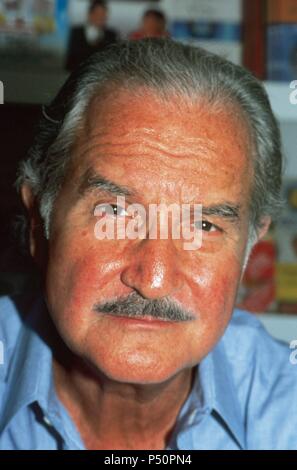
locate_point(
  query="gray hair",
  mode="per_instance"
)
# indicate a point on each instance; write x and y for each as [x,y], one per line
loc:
[166,67]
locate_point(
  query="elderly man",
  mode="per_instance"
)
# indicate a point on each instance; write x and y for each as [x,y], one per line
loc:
[134,342]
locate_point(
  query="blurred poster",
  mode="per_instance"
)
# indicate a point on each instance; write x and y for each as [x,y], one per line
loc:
[215,25]
[204,10]
[287,251]
[257,290]
[30,28]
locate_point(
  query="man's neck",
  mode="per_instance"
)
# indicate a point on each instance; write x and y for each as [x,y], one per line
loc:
[114,415]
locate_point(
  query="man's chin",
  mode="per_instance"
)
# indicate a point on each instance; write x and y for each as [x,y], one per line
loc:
[137,370]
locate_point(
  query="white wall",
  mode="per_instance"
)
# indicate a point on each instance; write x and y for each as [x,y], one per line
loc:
[289,136]
[127,16]
[283,327]
[210,10]
[286,113]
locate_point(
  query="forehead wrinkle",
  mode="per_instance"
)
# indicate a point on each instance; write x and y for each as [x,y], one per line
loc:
[149,147]
[160,142]
[171,157]
[200,167]
[182,150]
[158,138]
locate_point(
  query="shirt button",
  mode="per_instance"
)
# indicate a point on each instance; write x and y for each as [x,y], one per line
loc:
[47,421]
[192,416]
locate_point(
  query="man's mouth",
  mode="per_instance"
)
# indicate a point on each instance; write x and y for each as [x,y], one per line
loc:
[144,321]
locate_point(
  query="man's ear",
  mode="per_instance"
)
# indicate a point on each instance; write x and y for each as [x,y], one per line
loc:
[37,240]
[264,226]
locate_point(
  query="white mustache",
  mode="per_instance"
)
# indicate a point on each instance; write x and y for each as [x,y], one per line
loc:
[136,306]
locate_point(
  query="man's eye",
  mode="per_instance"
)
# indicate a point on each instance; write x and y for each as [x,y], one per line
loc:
[118,210]
[207,226]
[113,210]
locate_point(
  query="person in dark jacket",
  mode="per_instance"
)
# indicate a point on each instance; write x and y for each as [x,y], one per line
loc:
[94,36]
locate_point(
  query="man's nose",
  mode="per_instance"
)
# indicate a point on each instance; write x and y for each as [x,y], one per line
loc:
[154,269]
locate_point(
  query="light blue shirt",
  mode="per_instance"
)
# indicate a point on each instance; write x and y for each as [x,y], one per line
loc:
[244,395]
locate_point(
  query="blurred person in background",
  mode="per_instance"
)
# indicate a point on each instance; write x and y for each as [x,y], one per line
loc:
[89,38]
[153,26]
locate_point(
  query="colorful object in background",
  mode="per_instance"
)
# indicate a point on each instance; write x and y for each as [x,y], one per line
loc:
[281,11]
[282,52]
[281,40]
[153,25]
[215,25]
[270,279]
[286,235]
[206,30]
[254,37]
[257,290]
[32,28]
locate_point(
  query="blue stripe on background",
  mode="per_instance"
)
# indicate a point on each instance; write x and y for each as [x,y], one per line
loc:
[205,30]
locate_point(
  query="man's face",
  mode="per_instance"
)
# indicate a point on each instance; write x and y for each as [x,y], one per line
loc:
[98,16]
[153,26]
[162,153]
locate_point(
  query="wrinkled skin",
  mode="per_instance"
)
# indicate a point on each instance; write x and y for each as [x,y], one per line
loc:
[165,152]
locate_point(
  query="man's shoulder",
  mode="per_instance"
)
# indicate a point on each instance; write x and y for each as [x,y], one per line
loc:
[13,311]
[265,379]
[246,337]
[10,325]
[262,366]
[10,319]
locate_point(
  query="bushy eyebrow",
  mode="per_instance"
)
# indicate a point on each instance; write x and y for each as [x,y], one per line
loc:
[91,181]
[226,210]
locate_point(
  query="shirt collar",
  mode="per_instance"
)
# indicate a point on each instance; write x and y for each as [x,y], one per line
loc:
[214,393]
[30,379]
[217,382]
